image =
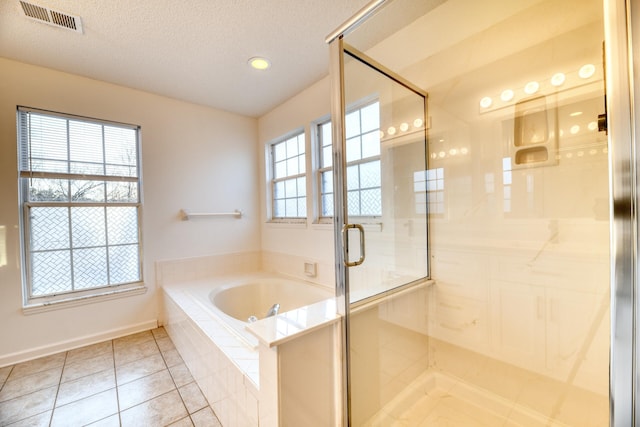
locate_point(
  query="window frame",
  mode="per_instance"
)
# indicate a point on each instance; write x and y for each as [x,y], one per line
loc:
[273,181]
[365,219]
[74,296]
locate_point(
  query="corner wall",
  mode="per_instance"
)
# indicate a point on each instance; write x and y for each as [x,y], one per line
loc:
[309,241]
[193,157]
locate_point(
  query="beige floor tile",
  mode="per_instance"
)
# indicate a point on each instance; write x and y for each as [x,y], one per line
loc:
[181,374]
[4,374]
[144,389]
[85,386]
[205,418]
[130,353]
[87,410]
[27,406]
[159,333]
[133,339]
[30,383]
[172,357]
[37,365]
[40,420]
[89,352]
[192,397]
[140,368]
[165,344]
[161,411]
[184,422]
[93,365]
[112,421]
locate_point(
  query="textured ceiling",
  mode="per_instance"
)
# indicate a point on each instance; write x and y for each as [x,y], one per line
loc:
[194,50]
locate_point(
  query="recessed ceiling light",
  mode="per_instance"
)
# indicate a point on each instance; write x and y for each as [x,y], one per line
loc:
[259,63]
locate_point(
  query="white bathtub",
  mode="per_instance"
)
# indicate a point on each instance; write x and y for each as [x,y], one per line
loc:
[232,300]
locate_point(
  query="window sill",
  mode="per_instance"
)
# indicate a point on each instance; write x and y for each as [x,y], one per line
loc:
[287,223]
[75,301]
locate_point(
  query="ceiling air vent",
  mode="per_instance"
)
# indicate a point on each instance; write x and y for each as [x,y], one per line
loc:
[51,17]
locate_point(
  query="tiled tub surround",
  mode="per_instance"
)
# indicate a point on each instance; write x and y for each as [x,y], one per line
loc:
[135,380]
[242,383]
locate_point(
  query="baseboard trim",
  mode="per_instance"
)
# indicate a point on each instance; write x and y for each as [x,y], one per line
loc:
[34,353]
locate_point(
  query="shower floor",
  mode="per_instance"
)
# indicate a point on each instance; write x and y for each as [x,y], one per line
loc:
[436,399]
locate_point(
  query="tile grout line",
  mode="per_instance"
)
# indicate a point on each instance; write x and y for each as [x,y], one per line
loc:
[55,399]
[115,380]
[164,360]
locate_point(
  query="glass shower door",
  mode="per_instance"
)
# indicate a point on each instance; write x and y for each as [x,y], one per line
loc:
[515,330]
[384,233]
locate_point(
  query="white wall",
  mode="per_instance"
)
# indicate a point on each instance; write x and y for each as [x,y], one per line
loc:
[309,241]
[193,157]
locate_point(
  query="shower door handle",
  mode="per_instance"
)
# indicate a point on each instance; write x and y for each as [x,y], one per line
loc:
[345,245]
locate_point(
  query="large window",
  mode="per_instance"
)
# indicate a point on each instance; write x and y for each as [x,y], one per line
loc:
[288,181]
[80,196]
[362,127]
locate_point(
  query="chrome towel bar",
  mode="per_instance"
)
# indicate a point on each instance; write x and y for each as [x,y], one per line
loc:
[186,215]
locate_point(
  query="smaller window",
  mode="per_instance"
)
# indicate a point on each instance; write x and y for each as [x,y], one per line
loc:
[288,182]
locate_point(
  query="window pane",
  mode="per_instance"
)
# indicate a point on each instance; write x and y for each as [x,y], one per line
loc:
[121,154]
[85,148]
[47,141]
[353,198]
[327,157]
[327,205]
[370,116]
[327,182]
[278,190]
[353,178]
[302,167]
[292,147]
[122,225]
[87,191]
[353,149]
[281,170]
[370,202]
[291,208]
[292,166]
[279,208]
[371,144]
[124,264]
[326,134]
[50,272]
[90,268]
[370,174]
[352,124]
[302,187]
[88,227]
[302,207]
[124,192]
[279,152]
[49,228]
[290,188]
[48,190]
